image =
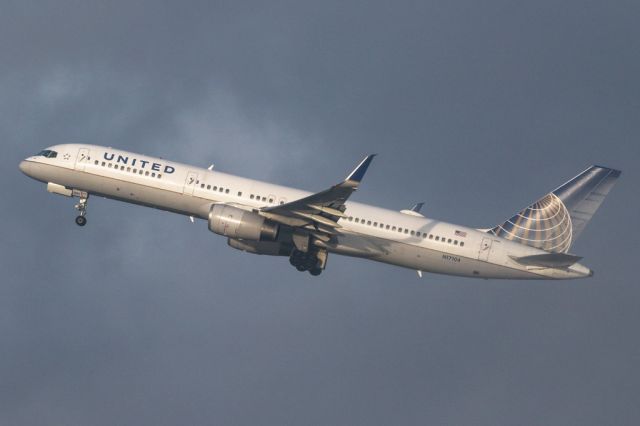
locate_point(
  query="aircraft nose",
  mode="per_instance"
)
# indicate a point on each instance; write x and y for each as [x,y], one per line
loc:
[25,167]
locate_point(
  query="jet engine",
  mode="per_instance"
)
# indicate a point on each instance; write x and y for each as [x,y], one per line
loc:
[241,224]
[269,248]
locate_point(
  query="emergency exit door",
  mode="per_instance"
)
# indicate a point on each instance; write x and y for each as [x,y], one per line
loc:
[485,249]
[82,159]
[190,183]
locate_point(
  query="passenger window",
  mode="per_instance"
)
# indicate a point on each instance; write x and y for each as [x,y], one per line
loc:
[461,243]
[413,232]
[239,193]
[387,226]
[122,168]
[202,185]
[431,236]
[159,176]
[270,200]
[135,171]
[251,196]
[455,242]
[220,189]
[400,230]
[264,198]
[393,229]
[153,174]
[369,222]
[437,238]
[406,231]
[146,173]
[96,162]
[381,226]
[103,164]
[449,240]
[141,172]
[128,169]
[357,220]
[375,223]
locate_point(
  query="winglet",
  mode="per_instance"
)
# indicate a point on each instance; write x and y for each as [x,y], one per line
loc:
[417,207]
[358,173]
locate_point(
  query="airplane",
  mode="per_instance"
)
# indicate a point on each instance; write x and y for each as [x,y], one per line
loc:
[267,219]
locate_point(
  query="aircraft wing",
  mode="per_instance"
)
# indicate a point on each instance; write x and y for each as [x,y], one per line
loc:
[321,210]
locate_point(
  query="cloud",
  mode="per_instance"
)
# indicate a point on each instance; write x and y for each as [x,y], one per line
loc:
[142,317]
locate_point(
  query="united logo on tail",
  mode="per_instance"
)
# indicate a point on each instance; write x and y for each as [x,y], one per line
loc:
[555,221]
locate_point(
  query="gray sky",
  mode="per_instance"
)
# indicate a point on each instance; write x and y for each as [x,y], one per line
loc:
[477,108]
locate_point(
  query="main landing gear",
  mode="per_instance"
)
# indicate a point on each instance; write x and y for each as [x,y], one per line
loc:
[81,219]
[312,261]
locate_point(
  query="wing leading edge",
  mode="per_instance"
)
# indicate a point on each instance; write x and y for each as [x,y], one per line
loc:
[323,209]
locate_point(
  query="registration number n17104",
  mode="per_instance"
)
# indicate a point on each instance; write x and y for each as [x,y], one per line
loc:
[450,258]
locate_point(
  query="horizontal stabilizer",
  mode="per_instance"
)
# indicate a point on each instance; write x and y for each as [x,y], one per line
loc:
[548,260]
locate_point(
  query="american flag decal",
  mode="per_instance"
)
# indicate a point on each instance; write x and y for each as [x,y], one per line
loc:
[460,234]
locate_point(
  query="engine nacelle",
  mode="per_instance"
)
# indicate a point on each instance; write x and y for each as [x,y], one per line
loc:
[241,224]
[59,189]
[269,248]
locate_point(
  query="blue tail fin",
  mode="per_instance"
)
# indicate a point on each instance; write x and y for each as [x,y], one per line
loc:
[555,221]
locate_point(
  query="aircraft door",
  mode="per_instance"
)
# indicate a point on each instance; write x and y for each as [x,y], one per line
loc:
[82,159]
[190,183]
[485,249]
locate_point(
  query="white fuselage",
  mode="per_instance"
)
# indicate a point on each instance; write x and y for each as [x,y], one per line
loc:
[397,238]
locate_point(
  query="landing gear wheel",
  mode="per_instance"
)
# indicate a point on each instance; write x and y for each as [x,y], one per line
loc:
[81,220]
[312,261]
[315,271]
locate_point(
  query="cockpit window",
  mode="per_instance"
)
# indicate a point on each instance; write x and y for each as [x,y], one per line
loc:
[48,153]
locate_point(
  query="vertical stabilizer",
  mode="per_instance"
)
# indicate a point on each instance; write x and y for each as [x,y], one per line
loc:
[555,221]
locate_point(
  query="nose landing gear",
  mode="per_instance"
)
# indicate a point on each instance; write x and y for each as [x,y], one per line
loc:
[81,219]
